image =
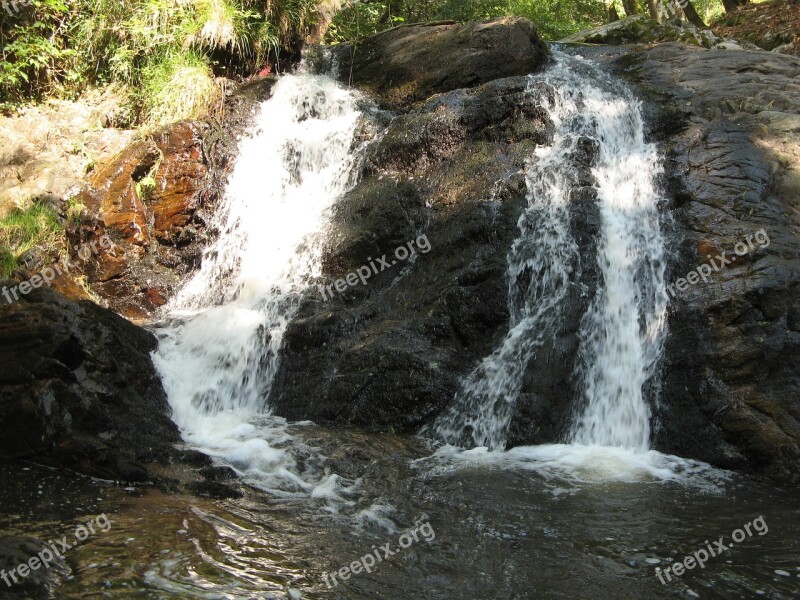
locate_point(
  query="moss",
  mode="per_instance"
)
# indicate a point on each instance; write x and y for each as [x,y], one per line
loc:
[75,210]
[145,188]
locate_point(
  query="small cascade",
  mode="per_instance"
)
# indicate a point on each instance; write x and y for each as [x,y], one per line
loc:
[219,350]
[623,332]
[621,335]
[540,266]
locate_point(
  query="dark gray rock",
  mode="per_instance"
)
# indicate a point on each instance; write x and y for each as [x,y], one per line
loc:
[389,355]
[217,473]
[78,389]
[40,582]
[213,490]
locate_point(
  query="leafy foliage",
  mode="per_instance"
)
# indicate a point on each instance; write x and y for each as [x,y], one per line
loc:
[553,18]
[149,45]
[33,50]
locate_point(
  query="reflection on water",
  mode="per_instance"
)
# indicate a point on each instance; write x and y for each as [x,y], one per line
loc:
[502,531]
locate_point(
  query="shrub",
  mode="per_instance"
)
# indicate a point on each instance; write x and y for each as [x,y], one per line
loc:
[33,51]
[149,45]
[176,87]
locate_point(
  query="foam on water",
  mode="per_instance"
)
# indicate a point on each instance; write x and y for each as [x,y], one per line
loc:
[581,465]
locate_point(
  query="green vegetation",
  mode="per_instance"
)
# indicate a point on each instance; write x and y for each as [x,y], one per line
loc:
[21,230]
[166,52]
[145,188]
[75,211]
[34,58]
[553,18]
[180,86]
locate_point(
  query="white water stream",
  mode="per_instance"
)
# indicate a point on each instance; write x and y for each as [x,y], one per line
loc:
[220,351]
[622,333]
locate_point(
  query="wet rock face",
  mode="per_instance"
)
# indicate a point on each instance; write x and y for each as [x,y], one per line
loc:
[731,391]
[389,354]
[411,63]
[78,389]
[154,199]
[148,200]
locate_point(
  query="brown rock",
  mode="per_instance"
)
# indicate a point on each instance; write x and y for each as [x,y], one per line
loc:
[179,178]
[146,199]
[111,197]
[411,63]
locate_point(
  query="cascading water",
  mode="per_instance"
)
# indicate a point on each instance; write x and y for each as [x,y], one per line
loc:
[622,333]
[540,266]
[219,352]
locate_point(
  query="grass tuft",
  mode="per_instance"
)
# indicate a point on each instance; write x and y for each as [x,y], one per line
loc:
[21,230]
[178,87]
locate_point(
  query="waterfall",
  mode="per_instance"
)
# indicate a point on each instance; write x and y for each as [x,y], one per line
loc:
[219,349]
[622,333]
[540,266]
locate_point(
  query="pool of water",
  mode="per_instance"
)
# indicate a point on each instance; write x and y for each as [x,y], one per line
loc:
[485,528]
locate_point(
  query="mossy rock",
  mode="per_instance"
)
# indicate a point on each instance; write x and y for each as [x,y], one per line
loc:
[643,30]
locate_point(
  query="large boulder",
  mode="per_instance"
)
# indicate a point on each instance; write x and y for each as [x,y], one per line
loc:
[413,62]
[78,389]
[389,355]
[730,125]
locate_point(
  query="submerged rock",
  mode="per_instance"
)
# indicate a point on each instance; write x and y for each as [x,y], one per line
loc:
[413,62]
[41,582]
